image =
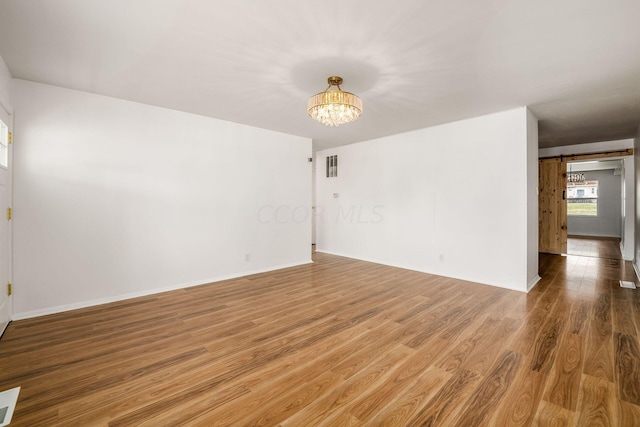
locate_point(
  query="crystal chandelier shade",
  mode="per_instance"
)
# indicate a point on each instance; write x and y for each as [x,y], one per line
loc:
[334,106]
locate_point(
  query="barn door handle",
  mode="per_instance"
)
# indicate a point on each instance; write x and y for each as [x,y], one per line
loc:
[563,195]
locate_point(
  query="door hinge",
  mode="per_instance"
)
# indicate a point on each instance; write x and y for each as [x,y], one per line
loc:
[10,137]
[9,290]
[9,214]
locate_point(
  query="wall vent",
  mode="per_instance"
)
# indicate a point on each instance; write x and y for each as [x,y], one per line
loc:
[626,284]
[8,400]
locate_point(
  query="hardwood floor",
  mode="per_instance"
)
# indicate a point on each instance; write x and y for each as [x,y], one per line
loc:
[341,342]
[599,247]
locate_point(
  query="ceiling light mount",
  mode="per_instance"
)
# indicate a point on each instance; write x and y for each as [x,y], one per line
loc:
[334,106]
[334,81]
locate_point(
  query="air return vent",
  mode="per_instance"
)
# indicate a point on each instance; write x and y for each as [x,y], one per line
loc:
[8,400]
[626,284]
[332,166]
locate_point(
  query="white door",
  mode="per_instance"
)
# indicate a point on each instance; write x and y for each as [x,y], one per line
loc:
[5,224]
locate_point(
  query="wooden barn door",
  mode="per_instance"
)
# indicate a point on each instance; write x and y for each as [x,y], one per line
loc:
[552,206]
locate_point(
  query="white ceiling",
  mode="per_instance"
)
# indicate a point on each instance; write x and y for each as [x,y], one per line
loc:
[576,63]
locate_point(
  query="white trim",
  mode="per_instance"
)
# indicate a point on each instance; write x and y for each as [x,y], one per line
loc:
[91,303]
[407,267]
[636,269]
[596,235]
[6,306]
[533,282]
[622,252]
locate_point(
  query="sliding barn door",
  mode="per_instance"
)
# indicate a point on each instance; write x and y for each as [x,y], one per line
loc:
[552,206]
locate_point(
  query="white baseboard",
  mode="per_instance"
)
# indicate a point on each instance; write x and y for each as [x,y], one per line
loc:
[421,270]
[91,303]
[629,257]
[596,236]
[635,268]
[533,282]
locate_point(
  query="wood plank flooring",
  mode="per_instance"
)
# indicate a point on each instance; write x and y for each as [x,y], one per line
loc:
[341,342]
[599,247]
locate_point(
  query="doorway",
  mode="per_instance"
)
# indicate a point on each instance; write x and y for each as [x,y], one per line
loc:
[595,206]
[590,205]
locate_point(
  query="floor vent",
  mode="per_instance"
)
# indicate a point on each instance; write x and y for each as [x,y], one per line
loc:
[8,400]
[626,284]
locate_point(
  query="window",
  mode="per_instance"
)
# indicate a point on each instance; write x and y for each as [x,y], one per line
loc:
[332,166]
[4,145]
[582,198]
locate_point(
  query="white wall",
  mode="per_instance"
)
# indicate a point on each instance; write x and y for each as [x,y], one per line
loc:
[449,200]
[636,174]
[627,242]
[5,88]
[532,200]
[115,199]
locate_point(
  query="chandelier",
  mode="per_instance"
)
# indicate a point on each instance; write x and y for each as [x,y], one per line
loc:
[334,107]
